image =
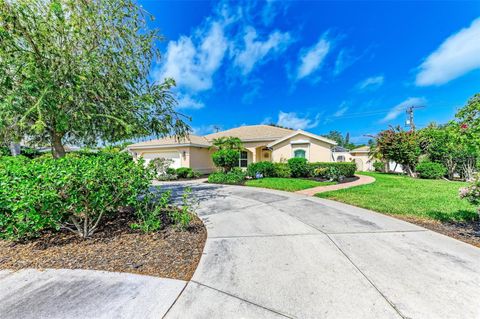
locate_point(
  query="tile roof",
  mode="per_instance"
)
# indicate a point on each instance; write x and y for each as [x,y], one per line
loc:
[253,132]
[190,139]
[361,149]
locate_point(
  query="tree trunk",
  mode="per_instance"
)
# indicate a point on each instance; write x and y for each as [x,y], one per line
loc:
[58,151]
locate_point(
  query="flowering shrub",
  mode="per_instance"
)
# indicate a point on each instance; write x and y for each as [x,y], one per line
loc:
[472,193]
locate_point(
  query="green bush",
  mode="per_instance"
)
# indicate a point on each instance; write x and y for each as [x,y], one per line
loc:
[430,170]
[281,170]
[75,193]
[186,172]
[299,167]
[235,176]
[267,169]
[379,166]
[226,158]
[346,169]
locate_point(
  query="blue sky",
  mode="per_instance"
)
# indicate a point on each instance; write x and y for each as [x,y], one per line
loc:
[318,66]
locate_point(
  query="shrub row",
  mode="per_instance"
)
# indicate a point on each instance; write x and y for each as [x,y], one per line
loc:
[299,167]
[235,176]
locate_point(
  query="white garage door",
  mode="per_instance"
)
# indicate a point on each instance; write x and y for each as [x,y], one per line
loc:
[175,156]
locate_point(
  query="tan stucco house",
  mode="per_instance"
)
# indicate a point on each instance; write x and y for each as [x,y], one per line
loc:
[261,142]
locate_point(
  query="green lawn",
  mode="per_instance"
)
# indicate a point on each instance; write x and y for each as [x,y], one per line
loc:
[286,184]
[395,194]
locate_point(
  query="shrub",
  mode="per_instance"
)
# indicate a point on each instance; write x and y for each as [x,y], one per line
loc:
[281,170]
[472,192]
[226,158]
[299,167]
[379,166]
[161,169]
[430,170]
[346,169]
[266,169]
[74,193]
[186,172]
[235,176]
[149,211]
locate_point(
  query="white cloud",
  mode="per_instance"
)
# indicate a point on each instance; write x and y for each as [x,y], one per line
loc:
[341,110]
[296,122]
[311,59]
[255,51]
[192,61]
[344,60]
[456,56]
[187,102]
[401,107]
[371,83]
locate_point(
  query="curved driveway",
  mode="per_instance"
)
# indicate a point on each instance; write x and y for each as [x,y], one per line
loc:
[273,254]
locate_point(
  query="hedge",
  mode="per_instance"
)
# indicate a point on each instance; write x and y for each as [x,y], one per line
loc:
[346,169]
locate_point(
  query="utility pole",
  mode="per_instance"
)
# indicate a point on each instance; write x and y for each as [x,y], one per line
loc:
[409,122]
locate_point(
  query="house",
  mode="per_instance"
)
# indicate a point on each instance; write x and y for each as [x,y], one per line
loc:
[359,155]
[261,142]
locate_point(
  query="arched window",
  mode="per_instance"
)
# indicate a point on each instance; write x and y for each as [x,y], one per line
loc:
[299,153]
[340,158]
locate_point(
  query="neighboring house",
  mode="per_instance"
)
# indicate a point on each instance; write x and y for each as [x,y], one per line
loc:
[358,155]
[261,142]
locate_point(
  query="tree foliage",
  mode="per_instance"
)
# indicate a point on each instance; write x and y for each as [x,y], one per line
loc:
[342,141]
[399,146]
[78,71]
[228,143]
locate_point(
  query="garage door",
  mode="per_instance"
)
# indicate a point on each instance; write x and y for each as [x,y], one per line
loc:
[175,156]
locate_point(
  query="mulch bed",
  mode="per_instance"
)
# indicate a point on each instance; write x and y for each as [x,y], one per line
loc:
[468,232]
[345,180]
[168,253]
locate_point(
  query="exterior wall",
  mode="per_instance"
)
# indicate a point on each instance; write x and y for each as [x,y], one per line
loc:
[201,159]
[197,158]
[184,160]
[364,163]
[316,151]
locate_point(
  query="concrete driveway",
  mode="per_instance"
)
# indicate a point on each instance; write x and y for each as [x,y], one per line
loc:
[273,254]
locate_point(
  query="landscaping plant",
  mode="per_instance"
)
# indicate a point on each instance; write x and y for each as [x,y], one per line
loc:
[186,172]
[74,192]
[299,167]
[472,193]
[282,170]
[320,169]
[234,176]
[265,169]
[430,170]
[162,170]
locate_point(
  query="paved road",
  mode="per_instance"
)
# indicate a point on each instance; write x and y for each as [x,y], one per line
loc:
[273,254]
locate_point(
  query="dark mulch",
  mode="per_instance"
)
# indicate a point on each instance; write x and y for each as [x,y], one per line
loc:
[468,232]
[115,247]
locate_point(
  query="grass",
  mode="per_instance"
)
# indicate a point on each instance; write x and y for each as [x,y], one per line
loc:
[402,195]
[286,184]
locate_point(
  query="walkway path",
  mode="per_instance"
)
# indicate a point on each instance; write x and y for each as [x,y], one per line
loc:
[272,254]
[362,180]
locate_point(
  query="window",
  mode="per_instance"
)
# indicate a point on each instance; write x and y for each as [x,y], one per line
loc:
[299,153]
[243,160]
[340,158]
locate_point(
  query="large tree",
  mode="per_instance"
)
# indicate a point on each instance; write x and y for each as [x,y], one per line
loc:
[78,71]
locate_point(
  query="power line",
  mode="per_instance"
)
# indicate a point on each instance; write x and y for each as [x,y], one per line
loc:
[410,119]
